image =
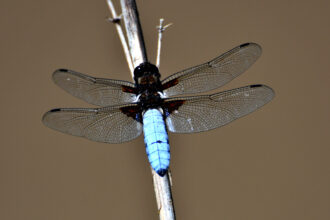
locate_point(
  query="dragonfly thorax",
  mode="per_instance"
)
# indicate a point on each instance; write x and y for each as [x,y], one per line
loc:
[147,81]
[150,99]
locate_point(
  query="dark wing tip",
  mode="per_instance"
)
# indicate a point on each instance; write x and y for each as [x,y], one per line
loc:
[269,90]
[66,72]
[244,45]
[55,110]
[256,85]
[251,44]
[58,72]
[49,113]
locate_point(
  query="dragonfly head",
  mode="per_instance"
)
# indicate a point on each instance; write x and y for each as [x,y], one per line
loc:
[146,74]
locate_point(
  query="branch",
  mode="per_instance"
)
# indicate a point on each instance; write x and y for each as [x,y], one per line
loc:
[116,20]
[138,55]
[134,32]
[161,29]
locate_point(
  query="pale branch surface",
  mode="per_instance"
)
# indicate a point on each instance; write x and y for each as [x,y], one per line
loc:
[134,32]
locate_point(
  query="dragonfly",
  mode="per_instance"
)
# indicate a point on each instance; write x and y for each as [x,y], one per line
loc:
[154,106]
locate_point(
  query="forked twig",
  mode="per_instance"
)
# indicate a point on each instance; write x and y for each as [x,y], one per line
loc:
[138,55]
[116,20]
[161,29]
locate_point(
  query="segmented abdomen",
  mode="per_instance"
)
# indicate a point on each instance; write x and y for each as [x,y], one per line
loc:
[156,141]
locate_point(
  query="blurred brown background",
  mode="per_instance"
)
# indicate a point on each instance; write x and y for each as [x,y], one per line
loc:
[272,164]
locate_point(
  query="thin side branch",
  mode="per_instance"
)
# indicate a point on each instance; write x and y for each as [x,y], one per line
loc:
[116,20]
[161,29]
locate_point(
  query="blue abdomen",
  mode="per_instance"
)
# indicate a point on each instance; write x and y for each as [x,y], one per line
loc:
[156,141]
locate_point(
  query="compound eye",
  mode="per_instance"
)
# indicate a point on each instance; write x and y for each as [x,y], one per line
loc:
[142,80]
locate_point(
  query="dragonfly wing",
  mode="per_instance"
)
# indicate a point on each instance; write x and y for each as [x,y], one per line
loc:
[113,124]
[213,74]
[202,113]
[96,91]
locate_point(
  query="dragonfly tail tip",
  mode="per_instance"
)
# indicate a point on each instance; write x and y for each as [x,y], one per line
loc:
[161,172]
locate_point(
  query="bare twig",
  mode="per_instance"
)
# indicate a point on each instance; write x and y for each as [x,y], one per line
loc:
[161,29]
[116,20]
[138,53]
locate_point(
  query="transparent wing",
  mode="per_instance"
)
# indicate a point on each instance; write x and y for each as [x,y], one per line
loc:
[96,91]
[110,124]
[202,113]
[213,74]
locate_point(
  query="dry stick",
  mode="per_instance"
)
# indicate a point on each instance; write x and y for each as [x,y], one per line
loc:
[138,53]
[133,32]
[115,19]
